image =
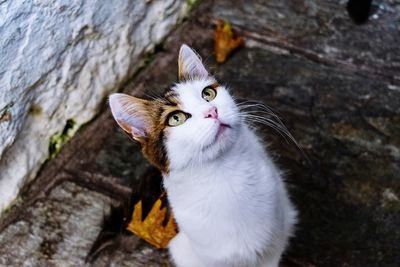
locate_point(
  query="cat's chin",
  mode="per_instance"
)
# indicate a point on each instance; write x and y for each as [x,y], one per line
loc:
[218,136]
[223,139]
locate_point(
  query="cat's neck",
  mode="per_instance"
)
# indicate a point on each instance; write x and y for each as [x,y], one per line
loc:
[243,154]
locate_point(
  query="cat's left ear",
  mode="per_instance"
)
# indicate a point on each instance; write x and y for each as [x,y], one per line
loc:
[131,114]
[190,65]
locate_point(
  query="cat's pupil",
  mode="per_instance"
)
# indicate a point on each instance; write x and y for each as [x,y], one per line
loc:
[207,93]
[176,117]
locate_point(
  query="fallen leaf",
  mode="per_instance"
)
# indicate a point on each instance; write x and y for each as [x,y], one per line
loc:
[151,228]
[225,41]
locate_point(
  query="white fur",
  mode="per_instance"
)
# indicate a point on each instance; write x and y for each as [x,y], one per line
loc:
[228,199]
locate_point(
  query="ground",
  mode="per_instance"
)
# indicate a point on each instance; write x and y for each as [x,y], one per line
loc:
[335,84]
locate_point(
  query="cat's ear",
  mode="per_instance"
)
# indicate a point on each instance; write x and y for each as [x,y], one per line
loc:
[131,114]
[189,64]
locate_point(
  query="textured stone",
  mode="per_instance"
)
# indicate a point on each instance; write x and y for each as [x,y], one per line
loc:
[321,29]
[59,60]
[60,230]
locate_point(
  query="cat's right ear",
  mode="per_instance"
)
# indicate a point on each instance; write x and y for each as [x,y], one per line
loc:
[131,115]
[190,65]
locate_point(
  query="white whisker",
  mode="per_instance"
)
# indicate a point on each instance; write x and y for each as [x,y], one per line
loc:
[257,112]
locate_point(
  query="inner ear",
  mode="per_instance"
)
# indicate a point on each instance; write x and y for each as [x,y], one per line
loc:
[190,65]
[131,114]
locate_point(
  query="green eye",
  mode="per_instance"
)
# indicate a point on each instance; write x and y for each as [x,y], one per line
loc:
[177,118]
[208,94]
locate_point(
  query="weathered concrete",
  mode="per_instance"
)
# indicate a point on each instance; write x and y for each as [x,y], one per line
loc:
[59,60]
[344,113]
[57,231]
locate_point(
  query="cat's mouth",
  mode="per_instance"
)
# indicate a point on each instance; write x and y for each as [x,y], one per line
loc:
[222,127]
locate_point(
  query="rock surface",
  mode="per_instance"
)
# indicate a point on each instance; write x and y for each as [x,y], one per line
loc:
[52,226]
[59,60]
[340,103]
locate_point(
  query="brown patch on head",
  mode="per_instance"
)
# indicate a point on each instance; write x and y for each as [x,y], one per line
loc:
[154,147]
[214,85]
[145,122]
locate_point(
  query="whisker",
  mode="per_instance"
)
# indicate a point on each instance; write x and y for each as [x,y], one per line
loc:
[257,112]
[278,128]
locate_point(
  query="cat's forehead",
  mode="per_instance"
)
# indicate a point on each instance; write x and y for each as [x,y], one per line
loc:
[192,88]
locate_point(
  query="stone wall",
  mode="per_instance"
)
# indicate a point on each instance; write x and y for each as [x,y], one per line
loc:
[58,62]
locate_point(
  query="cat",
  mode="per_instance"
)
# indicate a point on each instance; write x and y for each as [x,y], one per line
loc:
[227,195]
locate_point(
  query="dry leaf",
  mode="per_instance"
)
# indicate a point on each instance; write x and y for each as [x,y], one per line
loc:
[152,229]
[225,42]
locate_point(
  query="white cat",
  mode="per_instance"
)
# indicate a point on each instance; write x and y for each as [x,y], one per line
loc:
[227,195]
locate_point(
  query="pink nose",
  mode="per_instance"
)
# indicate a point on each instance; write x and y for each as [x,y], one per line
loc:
[212,113]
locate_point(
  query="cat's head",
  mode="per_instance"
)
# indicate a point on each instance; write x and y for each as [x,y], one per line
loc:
[195,121]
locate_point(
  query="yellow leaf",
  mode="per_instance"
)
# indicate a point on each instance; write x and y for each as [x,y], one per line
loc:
[225,42]
[151,229]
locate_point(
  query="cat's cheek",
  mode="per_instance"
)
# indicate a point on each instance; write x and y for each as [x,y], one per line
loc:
[176,139]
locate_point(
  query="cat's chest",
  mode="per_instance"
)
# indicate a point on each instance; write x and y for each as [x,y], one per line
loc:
[205,196]
[216,205]
[205,190]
